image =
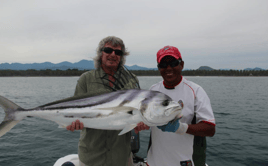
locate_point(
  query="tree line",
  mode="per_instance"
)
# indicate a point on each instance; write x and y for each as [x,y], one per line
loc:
[76,72]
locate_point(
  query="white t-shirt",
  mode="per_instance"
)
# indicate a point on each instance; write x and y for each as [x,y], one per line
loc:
[171,148]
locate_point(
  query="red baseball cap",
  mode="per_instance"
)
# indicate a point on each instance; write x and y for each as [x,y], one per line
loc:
[168,50]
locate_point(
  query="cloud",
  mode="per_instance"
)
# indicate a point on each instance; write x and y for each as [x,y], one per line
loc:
[219,34]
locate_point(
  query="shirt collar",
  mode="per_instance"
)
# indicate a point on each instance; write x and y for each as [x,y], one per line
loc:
[116,75]
[171,87]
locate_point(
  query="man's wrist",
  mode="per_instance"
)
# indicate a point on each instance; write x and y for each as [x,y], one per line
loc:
[182,129]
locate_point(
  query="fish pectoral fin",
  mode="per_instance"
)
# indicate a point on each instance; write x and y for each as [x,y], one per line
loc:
[127,129]
[61,126]
[119,109]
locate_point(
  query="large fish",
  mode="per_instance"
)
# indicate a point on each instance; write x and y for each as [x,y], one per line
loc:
[119,110]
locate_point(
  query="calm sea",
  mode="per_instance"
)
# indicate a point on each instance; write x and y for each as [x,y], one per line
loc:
[239,104]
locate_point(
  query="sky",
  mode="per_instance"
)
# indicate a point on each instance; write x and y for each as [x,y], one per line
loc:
[222,34]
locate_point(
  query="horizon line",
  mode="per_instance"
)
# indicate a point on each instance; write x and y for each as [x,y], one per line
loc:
[130,66]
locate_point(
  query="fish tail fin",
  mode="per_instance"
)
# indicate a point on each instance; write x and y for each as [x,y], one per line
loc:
[9,121]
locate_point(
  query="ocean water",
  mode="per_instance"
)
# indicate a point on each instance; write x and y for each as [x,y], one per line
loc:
[239,105]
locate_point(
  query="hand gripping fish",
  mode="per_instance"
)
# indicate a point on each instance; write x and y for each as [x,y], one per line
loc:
[119,110]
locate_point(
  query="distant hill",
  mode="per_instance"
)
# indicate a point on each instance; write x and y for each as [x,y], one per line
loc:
[255,69]
[81,65]
[205,68]
[136,67]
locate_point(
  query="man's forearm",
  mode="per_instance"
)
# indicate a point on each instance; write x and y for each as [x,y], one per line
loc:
[201,129]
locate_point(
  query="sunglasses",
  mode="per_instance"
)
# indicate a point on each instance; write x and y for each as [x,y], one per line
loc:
[171,64]
[109,50]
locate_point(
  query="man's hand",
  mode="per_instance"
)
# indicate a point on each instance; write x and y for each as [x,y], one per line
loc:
[170,127]
[141,126]
[174,126]
[77,125]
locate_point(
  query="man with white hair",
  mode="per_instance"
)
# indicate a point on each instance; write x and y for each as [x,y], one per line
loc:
[105,147]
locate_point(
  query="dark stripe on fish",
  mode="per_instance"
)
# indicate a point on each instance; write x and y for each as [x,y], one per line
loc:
[108,97]
[83,116]
[131,95]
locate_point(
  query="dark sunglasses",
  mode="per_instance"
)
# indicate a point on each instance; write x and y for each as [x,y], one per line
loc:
[109,50]
[171,64]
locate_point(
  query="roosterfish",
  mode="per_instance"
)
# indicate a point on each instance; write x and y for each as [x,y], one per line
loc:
[118,110]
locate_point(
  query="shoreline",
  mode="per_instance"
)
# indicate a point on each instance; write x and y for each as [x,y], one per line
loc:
[137,76]
[75,72]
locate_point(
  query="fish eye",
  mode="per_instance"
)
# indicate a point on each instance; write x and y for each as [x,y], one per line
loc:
[165,103]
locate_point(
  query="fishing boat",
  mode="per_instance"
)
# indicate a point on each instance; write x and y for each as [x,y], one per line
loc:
[73,160]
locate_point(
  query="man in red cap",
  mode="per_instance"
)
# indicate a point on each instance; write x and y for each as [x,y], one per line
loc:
[174,143]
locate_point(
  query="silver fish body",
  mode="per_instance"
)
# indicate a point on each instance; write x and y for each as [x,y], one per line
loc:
[119,110]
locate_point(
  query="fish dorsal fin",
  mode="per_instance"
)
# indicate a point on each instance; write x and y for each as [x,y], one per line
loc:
[127,129]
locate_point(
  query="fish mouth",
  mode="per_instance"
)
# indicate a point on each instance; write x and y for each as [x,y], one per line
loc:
[174,110]
[173,121]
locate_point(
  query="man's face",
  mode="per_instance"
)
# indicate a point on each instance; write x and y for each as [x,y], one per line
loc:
[171,75]
[110,61]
